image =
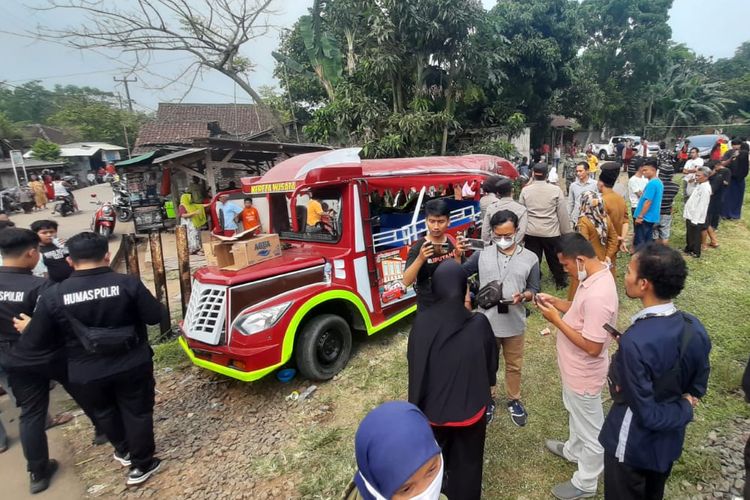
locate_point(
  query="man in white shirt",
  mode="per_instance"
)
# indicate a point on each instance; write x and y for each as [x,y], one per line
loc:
[582,184]
[636,185]
[691,166]
[695,211]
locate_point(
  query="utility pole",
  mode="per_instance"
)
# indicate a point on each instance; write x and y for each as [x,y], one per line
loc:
[126,80]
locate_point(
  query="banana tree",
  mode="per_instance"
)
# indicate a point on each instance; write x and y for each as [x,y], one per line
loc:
[323,52]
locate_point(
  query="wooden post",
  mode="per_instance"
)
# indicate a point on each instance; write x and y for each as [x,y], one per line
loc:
[210,174]
[183,265]
[160,278]
[131,254]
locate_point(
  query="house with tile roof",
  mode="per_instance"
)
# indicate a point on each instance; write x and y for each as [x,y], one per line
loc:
[177,124]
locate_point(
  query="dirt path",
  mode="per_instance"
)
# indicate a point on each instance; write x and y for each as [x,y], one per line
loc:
[211,432]
[13,477]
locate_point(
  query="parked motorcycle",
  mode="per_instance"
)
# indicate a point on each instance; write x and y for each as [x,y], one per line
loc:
[9,201]
[64,205]
[104,219]
[121,202]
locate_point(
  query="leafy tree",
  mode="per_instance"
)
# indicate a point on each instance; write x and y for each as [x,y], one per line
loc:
[8,129]
[414,68]
[30,102]
[544,37]
[625,52]
[97,121]
[45,150]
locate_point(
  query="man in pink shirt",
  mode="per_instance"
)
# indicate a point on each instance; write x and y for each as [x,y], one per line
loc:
[582,356]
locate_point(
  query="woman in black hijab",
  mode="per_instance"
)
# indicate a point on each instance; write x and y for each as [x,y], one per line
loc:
[453,360]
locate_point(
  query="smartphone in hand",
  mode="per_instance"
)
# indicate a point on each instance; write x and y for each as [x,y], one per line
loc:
[612,331]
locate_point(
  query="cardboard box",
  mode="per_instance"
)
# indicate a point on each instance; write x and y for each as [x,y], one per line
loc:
[236,255]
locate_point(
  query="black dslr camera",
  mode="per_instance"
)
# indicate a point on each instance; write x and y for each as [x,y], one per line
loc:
[491,295]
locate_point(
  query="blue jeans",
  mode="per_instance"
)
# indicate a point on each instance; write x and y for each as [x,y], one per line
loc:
[644,232]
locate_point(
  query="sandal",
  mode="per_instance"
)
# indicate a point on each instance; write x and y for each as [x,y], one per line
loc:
[59,419]
[713,245]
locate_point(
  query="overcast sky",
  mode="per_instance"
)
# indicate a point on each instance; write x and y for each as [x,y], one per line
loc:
[709,28]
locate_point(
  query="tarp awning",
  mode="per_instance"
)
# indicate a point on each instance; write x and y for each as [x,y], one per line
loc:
[137,160]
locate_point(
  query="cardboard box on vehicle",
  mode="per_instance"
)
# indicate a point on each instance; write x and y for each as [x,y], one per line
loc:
[235,255]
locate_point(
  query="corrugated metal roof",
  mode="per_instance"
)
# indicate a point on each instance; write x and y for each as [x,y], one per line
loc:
[86,148]
[136,160]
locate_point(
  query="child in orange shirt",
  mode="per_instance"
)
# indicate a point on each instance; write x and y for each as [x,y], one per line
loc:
[249,216]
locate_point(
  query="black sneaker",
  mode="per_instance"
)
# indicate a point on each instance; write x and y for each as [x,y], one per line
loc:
[138,476]
[517,412]
[489,413]
[124,459]
[40,482]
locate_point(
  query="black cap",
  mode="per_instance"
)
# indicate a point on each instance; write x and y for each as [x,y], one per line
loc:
[610,171]
[540,168]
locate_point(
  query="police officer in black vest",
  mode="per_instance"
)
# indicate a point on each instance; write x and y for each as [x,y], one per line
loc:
[657,377]
[28,375]
[102,316]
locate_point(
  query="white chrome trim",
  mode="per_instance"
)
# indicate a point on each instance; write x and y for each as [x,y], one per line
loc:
[345,156]
[359,230]
[362,278]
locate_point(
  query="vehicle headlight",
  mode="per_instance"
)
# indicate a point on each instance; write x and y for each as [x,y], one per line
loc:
[258,321]
[107,210]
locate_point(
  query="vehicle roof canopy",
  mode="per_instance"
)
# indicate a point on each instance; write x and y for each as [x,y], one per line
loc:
[345,164]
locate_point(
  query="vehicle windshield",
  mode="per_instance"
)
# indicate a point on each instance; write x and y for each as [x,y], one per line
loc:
[318,215]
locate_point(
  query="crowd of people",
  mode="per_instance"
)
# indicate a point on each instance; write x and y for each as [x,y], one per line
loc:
[67,317]
[656,377]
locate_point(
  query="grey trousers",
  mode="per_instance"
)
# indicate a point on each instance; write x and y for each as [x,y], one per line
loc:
[585,422]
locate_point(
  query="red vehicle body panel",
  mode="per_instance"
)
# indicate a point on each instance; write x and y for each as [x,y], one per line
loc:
[265,350]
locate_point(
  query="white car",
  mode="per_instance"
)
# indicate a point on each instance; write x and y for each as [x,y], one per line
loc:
[607,151]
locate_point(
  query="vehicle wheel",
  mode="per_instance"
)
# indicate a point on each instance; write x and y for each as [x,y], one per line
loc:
[324,347]
[124,215]
[105,231]
[602,155]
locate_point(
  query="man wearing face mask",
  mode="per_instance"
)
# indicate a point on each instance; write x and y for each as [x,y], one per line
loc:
[582,343]
[517,269]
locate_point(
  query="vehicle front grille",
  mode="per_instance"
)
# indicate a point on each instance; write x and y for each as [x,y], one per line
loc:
[205,319]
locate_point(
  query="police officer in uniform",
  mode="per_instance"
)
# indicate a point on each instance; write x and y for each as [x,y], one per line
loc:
[28,374]
[116,380]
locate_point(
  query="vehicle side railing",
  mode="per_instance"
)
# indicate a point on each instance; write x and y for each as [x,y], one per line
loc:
[409,233]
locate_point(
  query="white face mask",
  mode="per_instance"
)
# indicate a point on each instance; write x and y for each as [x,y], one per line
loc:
[433,490]
[582,274]
[431,493]
[504,243]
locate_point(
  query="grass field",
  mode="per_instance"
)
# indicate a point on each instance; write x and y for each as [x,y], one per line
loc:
[516,464]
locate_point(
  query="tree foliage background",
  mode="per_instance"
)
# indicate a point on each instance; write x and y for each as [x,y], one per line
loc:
[82,113]
[410,77]
[413,77]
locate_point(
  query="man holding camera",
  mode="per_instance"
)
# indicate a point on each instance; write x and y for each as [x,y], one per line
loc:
[508,277]
[582,342]
[656,379]
[425,255]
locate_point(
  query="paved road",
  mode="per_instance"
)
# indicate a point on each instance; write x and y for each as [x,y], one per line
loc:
[73,224]
[13,476]
[66,485]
